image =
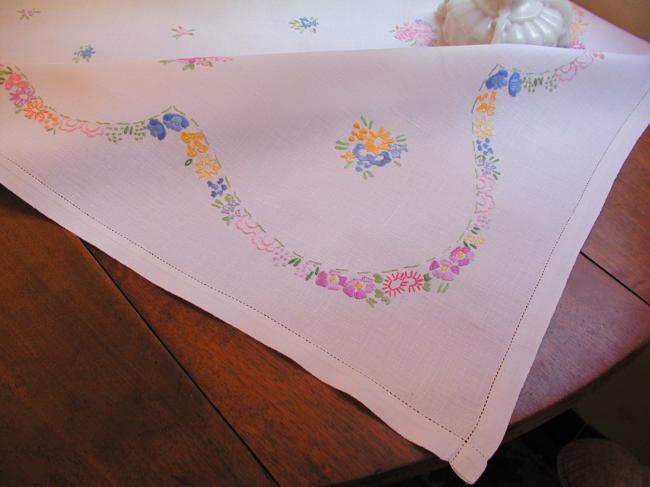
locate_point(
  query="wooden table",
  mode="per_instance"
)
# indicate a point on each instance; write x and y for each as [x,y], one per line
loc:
[107,379]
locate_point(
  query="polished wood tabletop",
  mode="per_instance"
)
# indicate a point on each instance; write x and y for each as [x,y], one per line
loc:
[106,379]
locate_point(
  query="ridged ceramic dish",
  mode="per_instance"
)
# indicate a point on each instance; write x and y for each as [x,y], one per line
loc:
[539,22]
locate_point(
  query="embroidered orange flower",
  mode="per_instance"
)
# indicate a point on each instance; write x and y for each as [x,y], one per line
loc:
[378,140]
[50,121]
[348,157]
[195,142]
[485,102]
[207,167]
[35,110]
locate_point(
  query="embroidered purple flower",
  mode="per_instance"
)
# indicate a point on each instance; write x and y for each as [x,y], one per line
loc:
[157,129]
[175,122]
[303,270]
[515,84]
[281,257]
[332,280]
[359,287]
[232,208]
[397,149]
[461,256]
[444,269]
[22,95]
[217,187]
[482,221]
[497,80]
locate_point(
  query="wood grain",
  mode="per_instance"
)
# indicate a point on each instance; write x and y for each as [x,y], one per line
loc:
[88,395]
[308,433]
[620,239]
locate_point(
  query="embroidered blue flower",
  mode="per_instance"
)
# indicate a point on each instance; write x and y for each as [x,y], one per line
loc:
[157,129]
[483,146]
[515,84]
[176,122]
[497,80]
[86,52]
[397,149]
[217,188]
[306,23]
[364,161]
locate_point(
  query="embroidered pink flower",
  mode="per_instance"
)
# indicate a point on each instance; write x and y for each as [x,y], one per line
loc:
[359,287]
[482,221]
[399,282]
[394,284]
[15,80]
[425,34]
[461,256]
[486,184]
[484,203]
[22,95]
[444,269]
[405,33]
[332,280]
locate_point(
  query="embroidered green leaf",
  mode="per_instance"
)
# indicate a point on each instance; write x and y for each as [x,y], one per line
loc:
[371,302]
[427,277]
[297,262]
[317,270]
[370,126]
[363,121]
[342,142]
[427,286]
[309,276]
[385,300]
[378,278]
[188,162]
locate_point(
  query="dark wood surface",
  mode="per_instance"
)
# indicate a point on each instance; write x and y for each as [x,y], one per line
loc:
[106,378]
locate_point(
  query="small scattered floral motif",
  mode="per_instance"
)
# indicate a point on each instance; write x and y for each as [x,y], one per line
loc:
[189,63]
[180,31]
[366,147]
[207,166]
[418,33]
[303,24]
[84,53]
[26,14]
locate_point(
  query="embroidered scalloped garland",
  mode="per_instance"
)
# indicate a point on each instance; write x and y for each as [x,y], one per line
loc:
[371,287]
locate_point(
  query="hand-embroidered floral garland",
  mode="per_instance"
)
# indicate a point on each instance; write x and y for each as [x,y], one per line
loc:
[418,33]
[366,147]
[372,287]
[303,24]
[189,63]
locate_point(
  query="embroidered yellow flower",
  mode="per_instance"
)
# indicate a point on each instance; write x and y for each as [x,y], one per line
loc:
[473,239]
[348,157]
[195,142]
[378,140]
[207,167]
[35,110]
[483,128]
